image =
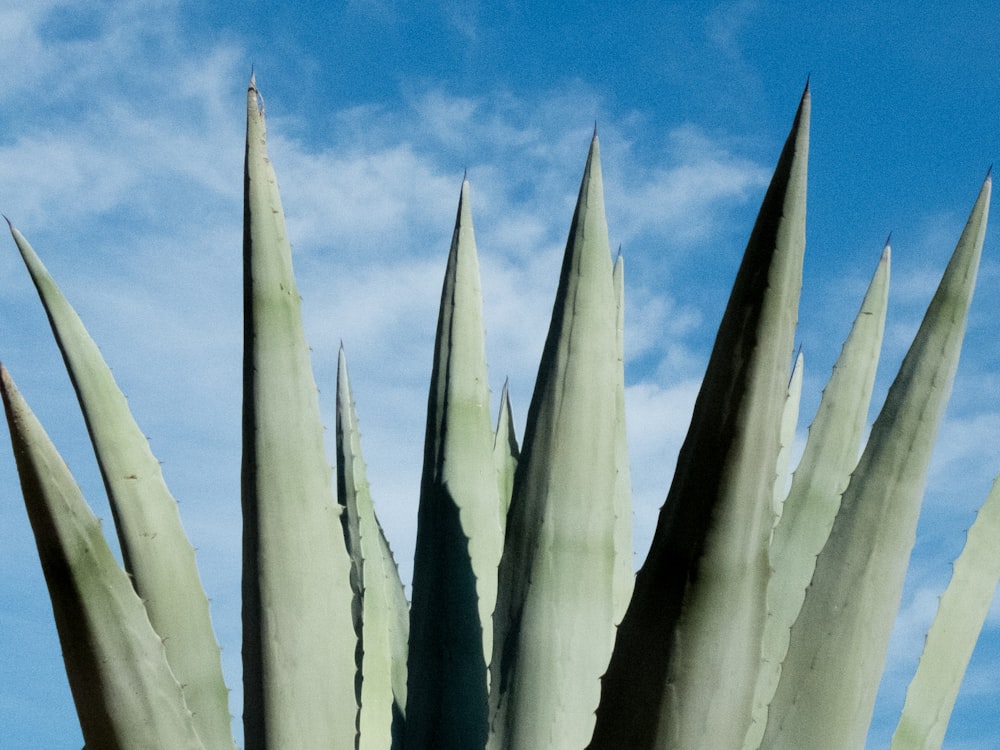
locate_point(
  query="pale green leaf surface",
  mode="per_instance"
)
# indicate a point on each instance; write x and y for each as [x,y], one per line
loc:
[126,696]
[789,421]
[505,453]
[688,649]
[836,653]
[459,537]
[962,611]
[555,611]
[155,549]
[829,457]
[298,636]
[383,608]
[624,572]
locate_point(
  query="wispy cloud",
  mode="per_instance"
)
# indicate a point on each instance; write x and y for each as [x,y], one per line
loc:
[726,22]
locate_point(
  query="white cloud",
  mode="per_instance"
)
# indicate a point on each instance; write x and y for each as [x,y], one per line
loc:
[687,200]
[726,22]
[657,420]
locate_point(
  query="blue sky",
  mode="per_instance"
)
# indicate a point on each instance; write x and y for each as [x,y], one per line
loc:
[121,145]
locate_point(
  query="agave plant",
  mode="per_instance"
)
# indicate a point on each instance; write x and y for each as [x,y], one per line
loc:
[759,619]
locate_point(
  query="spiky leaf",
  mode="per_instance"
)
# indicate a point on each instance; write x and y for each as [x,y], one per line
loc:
[156,551]
[828,459]
[838,645]
[505,453]
[789,421]
[458,521]
[381,601]
[962,611]
[298,638]
[125,693]
[555,608]
[688,649]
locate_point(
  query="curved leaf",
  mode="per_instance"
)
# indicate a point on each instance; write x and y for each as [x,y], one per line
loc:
[156,551]
[125,693]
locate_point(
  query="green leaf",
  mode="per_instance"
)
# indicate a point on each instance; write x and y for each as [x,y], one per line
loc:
[156,551]
[789,421]
[687,652]
[829,457]
[953,634]
[298,638]
[458,522]
[505,453]
[555,608]
[624,575]
[836,654]
[125,693]
[383,613]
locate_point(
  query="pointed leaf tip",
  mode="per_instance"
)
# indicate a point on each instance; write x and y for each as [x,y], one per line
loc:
[254,96]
